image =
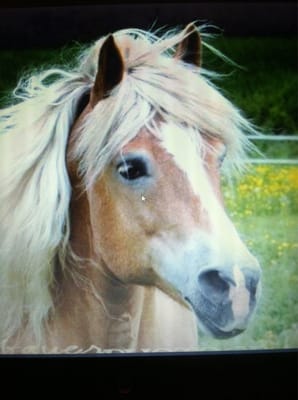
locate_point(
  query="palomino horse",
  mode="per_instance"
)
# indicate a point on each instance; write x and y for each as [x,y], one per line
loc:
[113,229]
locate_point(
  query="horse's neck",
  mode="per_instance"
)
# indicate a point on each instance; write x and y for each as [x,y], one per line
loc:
[139,319]
[91,306]
[92,313]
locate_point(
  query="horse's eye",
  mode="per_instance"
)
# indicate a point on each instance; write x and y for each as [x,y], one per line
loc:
[132,169]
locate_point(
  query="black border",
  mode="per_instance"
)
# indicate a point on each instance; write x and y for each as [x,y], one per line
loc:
[222,375]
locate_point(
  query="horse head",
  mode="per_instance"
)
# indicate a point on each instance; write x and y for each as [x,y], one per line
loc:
[155,212]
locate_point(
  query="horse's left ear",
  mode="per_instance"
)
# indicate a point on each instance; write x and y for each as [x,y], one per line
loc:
[110,70]
[189,49]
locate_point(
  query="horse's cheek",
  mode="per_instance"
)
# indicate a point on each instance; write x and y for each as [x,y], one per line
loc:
[117,237]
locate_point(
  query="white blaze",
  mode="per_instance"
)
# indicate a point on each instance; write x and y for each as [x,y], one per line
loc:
[239,295]
[183,144]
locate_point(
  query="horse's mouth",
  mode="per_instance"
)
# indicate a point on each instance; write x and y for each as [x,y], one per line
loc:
[216,331]
[211,326]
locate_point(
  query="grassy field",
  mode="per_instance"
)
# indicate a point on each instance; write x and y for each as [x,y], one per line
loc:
[264,208]
[266,89]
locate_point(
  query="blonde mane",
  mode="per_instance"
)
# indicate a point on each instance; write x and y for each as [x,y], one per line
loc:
[35,189]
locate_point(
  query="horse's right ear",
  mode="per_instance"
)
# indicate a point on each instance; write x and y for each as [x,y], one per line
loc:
[110,70]
[190,49]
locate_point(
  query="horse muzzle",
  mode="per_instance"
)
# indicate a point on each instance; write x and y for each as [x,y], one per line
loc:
[224,299]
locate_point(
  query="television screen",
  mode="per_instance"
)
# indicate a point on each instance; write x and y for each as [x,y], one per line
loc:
[149,171]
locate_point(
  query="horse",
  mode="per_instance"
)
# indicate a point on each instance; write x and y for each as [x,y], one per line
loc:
[114,233]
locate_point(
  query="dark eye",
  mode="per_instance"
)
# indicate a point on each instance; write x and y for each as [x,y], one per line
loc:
[132,169]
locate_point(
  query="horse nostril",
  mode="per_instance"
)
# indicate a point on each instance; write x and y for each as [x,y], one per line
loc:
[215,282]
[252,278]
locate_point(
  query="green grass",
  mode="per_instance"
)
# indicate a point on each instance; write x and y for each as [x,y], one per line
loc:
[267,88]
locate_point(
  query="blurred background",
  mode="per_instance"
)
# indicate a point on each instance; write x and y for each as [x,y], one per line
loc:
[262,39]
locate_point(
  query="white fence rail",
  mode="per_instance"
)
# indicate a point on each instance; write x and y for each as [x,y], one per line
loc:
[274,138]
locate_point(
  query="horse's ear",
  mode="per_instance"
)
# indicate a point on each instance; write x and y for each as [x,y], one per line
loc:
[110,70]
[189,49]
